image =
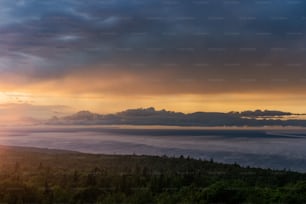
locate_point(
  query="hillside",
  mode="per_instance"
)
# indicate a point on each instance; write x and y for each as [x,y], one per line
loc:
[30,175]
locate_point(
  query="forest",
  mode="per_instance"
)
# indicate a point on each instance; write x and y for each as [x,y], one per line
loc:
[32,175]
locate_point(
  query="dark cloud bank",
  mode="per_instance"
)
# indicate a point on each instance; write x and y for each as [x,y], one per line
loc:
[150,116]
[230,41]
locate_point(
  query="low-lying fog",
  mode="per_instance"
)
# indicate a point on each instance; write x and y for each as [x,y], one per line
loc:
[277,148]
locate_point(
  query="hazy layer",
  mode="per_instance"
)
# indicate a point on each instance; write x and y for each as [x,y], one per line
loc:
[274,147]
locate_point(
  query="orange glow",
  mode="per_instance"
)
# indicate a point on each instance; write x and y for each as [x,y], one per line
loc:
[105,103]
[111,91]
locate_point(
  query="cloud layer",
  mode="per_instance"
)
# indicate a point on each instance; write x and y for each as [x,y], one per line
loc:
[155,46]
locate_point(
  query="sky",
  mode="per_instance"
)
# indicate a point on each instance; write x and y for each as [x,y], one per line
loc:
[61,56]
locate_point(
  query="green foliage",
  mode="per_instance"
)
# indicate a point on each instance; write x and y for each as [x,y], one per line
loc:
[48,176]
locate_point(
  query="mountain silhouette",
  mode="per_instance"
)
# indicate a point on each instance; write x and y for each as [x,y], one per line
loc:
[151,116]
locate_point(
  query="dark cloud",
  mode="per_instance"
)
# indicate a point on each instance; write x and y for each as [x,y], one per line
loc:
[226,40]
[150,116]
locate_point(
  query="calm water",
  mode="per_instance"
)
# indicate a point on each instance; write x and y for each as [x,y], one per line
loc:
[277,148]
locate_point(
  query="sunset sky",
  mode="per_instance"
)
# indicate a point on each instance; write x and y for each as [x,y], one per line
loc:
[62,56]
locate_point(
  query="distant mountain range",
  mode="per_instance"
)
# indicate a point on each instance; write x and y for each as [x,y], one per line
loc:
[150,116]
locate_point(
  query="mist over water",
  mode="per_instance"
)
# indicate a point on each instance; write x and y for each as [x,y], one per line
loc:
[268,148]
